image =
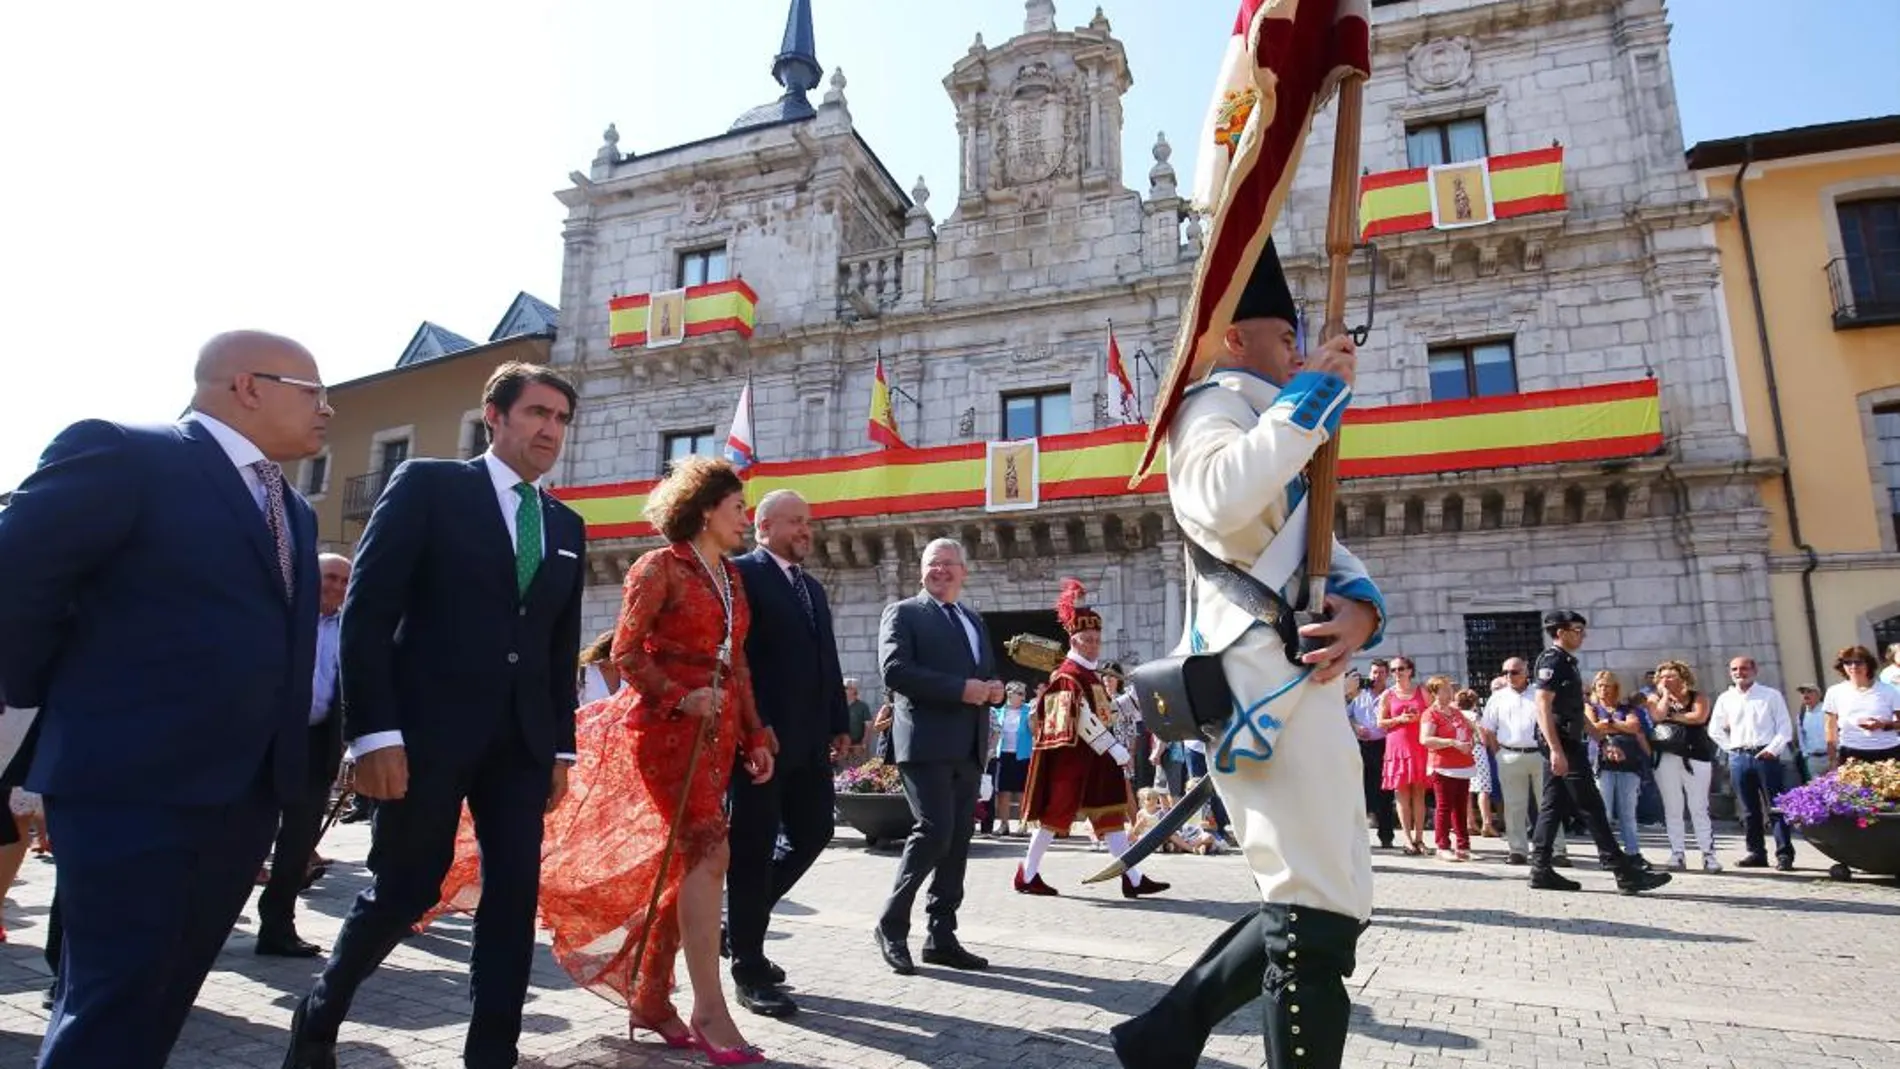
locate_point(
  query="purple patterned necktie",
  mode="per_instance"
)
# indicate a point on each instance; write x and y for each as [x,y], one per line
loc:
[277,519]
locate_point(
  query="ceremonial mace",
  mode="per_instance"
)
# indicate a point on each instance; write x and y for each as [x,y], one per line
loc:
[1322,472]
[679,818]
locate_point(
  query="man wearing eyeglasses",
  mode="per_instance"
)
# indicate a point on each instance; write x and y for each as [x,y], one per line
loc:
[160,608]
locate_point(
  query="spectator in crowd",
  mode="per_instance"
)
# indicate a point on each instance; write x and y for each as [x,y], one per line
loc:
[1685,753]
[1750,720]
[1449,740]
[1407,769]
[1624,730]
[1812,727]
[1362,708]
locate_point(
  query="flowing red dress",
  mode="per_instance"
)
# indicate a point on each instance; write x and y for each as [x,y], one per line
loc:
[601,853]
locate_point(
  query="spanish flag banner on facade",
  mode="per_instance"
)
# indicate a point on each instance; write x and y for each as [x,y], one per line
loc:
[1580,424]
[1462,194]
[882,427]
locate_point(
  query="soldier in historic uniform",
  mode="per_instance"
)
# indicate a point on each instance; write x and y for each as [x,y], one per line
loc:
[1288,767]
[1078,769]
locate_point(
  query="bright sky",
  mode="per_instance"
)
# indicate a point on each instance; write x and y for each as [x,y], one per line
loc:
[340,172]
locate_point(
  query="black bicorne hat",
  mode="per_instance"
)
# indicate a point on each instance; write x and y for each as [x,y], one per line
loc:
[1266,295]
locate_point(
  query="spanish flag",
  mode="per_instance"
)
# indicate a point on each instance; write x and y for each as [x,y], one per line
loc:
[882,427]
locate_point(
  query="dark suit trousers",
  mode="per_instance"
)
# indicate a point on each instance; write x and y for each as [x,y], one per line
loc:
[1573,794]
[1379,801]
[798,798]
[297,839]
[942,796]
[147,894]
[412,844]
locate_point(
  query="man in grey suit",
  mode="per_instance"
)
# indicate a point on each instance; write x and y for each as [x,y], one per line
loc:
[940,670]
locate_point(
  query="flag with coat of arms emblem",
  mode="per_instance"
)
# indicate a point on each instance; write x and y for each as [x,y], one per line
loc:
[1283,61]
[882,426]
[739,448]
[1122,406]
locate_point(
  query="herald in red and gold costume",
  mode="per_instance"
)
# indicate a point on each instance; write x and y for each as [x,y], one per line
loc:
[1078,769]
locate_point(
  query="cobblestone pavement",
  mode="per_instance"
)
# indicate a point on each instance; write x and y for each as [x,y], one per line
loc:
[1464,966]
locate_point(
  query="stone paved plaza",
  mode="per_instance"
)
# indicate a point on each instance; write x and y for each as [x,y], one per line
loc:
[1464,966]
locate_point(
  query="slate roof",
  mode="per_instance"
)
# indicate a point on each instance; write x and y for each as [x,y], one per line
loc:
[430,342]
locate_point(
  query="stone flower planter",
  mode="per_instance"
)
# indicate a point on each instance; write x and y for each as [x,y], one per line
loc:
[1874,849]
[881,818]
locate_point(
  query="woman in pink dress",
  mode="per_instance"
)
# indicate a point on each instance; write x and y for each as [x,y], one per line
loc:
[1407,771]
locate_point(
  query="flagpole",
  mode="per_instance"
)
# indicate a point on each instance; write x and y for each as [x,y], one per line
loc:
[1323,470]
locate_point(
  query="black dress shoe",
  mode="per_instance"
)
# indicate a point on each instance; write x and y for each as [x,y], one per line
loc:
[766,1001]
[1784,864]
[1546,880]
[304,1052]
[286,946]
[1753,861]
[953,956]
[895,953]
[762,973]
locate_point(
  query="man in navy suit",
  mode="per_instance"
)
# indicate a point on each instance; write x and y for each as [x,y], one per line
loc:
[160,607]
[460,635]
[793,655]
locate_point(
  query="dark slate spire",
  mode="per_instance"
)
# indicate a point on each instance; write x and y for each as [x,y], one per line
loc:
[796,65]
[796,68]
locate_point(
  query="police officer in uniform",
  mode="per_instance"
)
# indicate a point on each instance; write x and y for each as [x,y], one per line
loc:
[1569,788]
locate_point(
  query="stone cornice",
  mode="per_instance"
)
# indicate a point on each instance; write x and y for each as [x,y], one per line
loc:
[1395,32]
[1864,561]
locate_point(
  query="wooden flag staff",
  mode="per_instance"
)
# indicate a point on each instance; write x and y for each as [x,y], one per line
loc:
[1322,472]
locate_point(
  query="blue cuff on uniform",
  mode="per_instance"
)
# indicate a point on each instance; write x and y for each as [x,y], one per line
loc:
[1360,588]
[1315,401]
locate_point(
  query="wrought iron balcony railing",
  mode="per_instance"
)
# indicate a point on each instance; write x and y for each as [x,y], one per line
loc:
[1865,290]
[360,493]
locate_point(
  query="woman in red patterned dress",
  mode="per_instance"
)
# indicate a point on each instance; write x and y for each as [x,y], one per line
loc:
[680,648]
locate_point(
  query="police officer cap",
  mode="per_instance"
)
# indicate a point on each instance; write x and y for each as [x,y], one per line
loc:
[1557,619]
[1266,295]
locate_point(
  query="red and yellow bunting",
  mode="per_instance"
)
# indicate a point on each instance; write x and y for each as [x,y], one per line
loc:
[1396,202]
[1622,419]
[710,308]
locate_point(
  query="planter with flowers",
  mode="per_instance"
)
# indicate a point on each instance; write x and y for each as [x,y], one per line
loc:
[870,798]
[1852,815]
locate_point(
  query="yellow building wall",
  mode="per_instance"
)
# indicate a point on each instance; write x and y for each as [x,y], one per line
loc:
[1820,372]
[1821,376]
[433,397]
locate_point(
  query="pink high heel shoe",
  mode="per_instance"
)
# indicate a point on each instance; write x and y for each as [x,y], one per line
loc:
[677,1041]
[746,1055]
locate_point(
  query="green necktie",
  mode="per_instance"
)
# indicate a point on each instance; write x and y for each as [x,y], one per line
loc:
[527,536]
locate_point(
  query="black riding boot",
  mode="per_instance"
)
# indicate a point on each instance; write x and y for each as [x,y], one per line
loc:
[1309,955]
[1225,978]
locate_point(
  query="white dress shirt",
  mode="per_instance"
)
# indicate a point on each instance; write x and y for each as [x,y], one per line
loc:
[323,684]
[1511,715]
[505,479]
[1755,719]
[242,451]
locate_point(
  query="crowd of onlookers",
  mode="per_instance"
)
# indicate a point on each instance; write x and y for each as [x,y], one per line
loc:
[1655,749]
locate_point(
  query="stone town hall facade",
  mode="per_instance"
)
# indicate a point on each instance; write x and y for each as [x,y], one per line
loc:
[989,304]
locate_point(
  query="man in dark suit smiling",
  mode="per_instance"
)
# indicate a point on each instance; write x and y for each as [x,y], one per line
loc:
[793,655]
[459,638]
[941,671]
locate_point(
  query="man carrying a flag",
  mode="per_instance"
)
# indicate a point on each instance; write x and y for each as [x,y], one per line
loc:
[1243,412]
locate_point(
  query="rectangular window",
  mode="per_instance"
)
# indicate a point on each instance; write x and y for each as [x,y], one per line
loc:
[1484,369]
[1033,415]
[316,473]
[1870,243]
[1452,141]
[394,452]
[474,437]
[679,444]
[1491,638]
[702,266]
[1887,442]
